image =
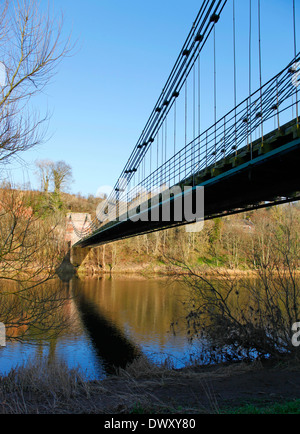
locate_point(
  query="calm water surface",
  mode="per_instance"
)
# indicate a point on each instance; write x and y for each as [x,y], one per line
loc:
[112,321]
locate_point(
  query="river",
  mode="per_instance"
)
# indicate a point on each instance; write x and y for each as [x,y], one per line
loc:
[110,322]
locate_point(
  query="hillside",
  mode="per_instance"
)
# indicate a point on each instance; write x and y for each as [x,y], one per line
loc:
[227,242]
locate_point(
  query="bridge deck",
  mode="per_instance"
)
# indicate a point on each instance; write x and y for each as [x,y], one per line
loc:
[264,172]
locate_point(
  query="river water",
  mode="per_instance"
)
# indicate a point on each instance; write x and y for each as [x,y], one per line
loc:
[111,321]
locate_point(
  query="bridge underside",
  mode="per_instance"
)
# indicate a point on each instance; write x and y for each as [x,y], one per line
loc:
[266,175]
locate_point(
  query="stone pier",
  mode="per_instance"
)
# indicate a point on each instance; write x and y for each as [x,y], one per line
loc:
[79,221]
[75,255]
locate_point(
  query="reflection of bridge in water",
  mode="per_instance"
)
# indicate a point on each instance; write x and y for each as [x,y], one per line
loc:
[126,317]
[245,160]
[112,347]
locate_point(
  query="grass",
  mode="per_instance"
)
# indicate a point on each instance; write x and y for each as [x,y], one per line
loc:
[214,261]
[39,387]
[289,407]
[141,388]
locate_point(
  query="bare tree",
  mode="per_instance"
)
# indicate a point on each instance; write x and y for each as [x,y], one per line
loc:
[30,251]
[251,316]
[30,247]
[62,175]
[44,172]
[31,47]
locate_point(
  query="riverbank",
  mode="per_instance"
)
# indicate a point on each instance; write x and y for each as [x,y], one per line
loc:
[159,270]
[145,389]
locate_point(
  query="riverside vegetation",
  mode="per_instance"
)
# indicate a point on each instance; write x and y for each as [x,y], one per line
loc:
[249,322]
[246,319]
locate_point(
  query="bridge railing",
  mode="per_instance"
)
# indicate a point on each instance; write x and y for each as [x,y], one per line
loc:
[264,111]
[240,132]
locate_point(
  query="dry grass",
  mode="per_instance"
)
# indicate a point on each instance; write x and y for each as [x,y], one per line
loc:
[40,387]
[43,388]
[142,387]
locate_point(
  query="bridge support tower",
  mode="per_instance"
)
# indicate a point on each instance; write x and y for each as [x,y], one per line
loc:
[75,255]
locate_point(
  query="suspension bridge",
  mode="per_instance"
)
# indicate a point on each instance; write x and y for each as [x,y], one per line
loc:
[244,159]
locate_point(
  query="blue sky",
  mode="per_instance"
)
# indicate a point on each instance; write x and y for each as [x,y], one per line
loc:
[102,96]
